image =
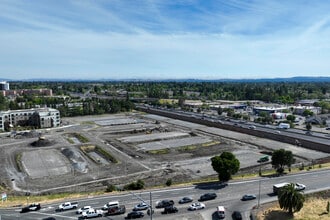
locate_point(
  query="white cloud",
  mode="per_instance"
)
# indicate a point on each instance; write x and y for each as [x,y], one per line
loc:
[107,40]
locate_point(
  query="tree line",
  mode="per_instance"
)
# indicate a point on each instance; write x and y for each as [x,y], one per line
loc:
[275,92]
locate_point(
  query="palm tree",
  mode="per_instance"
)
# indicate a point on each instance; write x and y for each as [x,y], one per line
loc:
[290,199]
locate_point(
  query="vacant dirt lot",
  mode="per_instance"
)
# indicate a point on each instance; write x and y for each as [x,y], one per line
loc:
[89,153]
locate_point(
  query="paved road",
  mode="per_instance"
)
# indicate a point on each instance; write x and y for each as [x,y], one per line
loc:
[228,196]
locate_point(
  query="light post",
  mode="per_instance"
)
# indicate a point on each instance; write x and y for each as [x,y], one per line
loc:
[259,193]
[149,204]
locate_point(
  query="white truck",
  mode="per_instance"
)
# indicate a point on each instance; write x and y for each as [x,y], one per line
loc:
[92,213]
[68,206]
[297,186]
[284,126]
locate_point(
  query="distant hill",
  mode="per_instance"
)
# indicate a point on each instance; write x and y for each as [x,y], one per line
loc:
[291,79]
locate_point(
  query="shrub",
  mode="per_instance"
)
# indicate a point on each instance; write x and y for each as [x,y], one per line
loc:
[169,182]
[134,185]
[111,188]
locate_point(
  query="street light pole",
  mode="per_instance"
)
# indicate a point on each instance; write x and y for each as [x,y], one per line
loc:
[149,204]
[259,192]
[151,211]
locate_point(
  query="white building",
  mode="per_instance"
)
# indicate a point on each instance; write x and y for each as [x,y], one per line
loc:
[4,85]
[38,118]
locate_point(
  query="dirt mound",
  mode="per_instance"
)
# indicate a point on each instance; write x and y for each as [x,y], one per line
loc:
[76,160]
[42,142]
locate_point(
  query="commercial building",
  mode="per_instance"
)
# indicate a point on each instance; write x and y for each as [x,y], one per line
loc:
[36,118]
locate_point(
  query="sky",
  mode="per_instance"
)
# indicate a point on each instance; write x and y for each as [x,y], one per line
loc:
[164,39]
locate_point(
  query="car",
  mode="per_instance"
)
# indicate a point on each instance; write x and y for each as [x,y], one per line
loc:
[221,212]
[309,133]
[83,209]
[185,199]
[207,196]
[252,127]
[164,203]
[110,205]
[134,214]
[141,206]
[236,215]
[248,197]
[49,218]
[196,206]
[299,186]
[170,209]
[31,207]
[327,128]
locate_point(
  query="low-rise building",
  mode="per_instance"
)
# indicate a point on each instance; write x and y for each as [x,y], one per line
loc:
[37,118]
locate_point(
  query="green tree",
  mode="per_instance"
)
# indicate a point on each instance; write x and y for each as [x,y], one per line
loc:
[290,118]
[282,158]
[307,113]
[308,126]
[225,165]
[220,110]
[290,199]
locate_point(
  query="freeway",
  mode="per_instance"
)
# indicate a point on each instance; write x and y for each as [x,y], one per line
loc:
[228,195]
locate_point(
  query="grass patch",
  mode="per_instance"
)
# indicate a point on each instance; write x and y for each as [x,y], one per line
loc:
[70,140]
[18,160]
[17,201]
[81,138]
[160,151]
[187,148]
[106,154]
[314,208]
[91,148]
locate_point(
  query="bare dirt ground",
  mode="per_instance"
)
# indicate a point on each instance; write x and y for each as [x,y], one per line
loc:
[89,153]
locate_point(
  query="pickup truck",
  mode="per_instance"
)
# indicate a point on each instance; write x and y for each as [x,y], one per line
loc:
[116,210]
[92,213]
[68,206]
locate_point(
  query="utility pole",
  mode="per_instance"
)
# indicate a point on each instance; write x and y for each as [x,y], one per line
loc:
[149,204]
[259,193]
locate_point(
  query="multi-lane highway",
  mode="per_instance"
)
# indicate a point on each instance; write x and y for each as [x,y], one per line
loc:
[228,196]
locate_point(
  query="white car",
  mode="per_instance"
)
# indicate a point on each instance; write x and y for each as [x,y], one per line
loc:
[299,186]
[141,206]
[83,209]
[196,206]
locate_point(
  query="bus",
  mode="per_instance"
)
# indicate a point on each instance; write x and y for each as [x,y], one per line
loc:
[277,187]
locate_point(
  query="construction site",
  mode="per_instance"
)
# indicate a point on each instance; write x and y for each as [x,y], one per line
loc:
[90,153]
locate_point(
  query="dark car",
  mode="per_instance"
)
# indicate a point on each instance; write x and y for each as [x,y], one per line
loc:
[236,215]
[134,214]
[170,209]
[49,218]
[207,196]
[185,200]
[31,207]
[164,203]
[248,197]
